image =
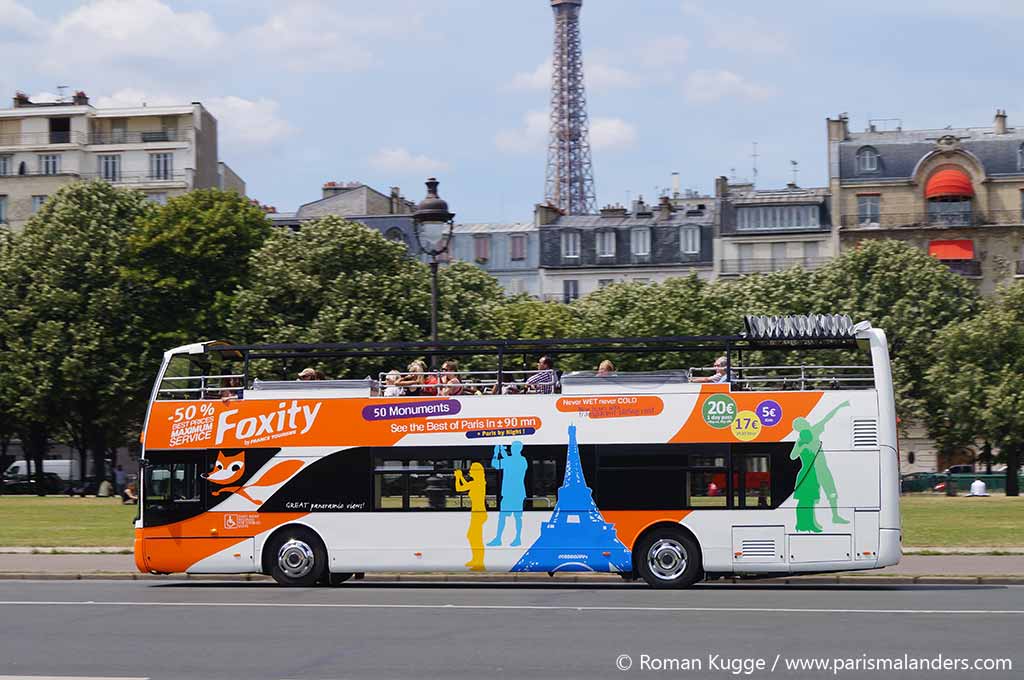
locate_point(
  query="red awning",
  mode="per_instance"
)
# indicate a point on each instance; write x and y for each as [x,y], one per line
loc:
[962,249]
[949,182]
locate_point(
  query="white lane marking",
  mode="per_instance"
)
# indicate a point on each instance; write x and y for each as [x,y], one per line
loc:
[62,677]
[502,607]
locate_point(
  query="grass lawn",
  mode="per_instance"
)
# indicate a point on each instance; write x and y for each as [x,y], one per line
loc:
[62,521]
[935,520]
[928,520]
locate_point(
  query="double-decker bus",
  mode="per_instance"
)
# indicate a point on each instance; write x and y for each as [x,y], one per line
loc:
[670,475]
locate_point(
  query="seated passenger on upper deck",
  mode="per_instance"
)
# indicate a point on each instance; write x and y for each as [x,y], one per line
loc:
[545,380]
[449,379]
[392,388]
[308,373]
[719,375]
[414,379]
[606,368]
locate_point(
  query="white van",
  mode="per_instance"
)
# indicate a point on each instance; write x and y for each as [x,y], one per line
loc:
[67,469]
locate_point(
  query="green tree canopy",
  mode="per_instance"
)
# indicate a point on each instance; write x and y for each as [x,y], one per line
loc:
[186,259]
[905,292]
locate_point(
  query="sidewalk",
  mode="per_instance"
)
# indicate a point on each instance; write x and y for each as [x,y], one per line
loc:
[912,569]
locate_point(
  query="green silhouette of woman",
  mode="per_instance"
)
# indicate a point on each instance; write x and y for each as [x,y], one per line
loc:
[814,473]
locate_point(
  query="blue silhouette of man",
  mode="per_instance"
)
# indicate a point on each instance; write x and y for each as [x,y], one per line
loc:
[513,488]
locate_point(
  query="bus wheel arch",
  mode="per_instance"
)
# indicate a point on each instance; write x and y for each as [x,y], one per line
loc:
[295,555]
[668,555]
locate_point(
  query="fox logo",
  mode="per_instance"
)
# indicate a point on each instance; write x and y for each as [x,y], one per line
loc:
[229,469]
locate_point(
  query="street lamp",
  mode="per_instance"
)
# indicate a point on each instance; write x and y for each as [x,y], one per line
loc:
[433,224]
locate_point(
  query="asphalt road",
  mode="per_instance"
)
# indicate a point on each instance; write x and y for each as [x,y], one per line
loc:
[405,630]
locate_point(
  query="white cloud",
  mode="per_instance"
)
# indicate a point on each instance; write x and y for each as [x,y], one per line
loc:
[712,85]
[748,35]
[537,79]
[19,20]
[109,30]
[317,36]
[401,160]
[599,75]
[611,133]
[532,136]
[243,125]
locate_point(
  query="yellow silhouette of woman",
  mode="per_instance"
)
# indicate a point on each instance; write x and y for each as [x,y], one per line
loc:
[477,488]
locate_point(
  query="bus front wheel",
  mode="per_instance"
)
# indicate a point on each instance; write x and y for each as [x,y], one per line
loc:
[669,558]
[296,557]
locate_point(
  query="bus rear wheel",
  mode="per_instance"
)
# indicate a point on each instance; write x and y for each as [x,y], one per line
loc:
[669,558]
[296,557]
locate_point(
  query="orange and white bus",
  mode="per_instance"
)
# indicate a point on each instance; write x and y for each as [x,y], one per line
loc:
[670,476]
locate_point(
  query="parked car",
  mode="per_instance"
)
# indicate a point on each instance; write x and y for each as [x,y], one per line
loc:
[52,484]
[965,469]
[920,481]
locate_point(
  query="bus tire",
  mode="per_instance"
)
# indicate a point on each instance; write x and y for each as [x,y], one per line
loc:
[668,558]
[296,557]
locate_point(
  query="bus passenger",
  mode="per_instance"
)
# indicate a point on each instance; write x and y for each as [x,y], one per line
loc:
[449,379]
[413,379]
[719,375]
[393,389]
[308,373]
[606,368]
[545,379]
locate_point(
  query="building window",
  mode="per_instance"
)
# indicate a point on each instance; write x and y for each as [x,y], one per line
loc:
[49,164]
[110,168]
[5,164]
[570,290]
[604,283]
[158,197]
[689,240]
[37,202]
[482,248]
[1020,158]
[869,210]
[811,252]
[3,210]
[950,211]
[640,241]
[768,218]
[161,165]
[867,159]
[606,243]
[395,235]
[570,244]
[517,247]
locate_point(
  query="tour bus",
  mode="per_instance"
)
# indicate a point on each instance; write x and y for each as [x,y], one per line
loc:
[767,464]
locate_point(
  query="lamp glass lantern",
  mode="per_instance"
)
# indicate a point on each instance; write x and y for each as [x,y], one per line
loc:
[433,223]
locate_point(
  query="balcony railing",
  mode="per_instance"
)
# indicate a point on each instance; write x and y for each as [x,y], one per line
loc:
[147,137]
[138,177]
[968,268]
[42,138]
[765,265]
[973,218]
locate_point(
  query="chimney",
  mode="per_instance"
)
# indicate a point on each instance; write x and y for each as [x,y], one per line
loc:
[614,211]
[80,99]
[331,188]
[395,201]
[21,99]
[1000,122]
[641,209]
[721,186]
[676,185]
[665,208]
[839,128]
[545,213]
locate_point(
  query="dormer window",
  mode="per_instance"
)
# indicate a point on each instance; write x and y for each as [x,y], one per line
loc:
[1020,158]
[867,159]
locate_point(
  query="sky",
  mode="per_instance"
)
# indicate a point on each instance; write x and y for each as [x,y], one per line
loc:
[389,92]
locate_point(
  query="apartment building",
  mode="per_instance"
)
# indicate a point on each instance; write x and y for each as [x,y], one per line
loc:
[645,244]
[160,150]
[956,193]
[767,230]
[508,252]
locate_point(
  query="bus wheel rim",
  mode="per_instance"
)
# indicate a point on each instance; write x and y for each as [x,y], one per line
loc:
[296,559]
[667,559]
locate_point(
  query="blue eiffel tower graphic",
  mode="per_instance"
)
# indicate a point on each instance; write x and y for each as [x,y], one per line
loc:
[575,537]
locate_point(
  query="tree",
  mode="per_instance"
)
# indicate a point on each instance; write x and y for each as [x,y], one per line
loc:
[976,380]
[907,293]
[332,281]
[69,325]
[186,259]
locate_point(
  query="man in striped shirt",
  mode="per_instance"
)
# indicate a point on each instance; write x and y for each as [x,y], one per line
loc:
[545,379]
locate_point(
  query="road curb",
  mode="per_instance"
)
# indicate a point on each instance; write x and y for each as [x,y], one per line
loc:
[841,579]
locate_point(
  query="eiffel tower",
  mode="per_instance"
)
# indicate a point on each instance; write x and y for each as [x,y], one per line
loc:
[575,537]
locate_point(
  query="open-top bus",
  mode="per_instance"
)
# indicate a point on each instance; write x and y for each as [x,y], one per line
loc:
[659,475]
